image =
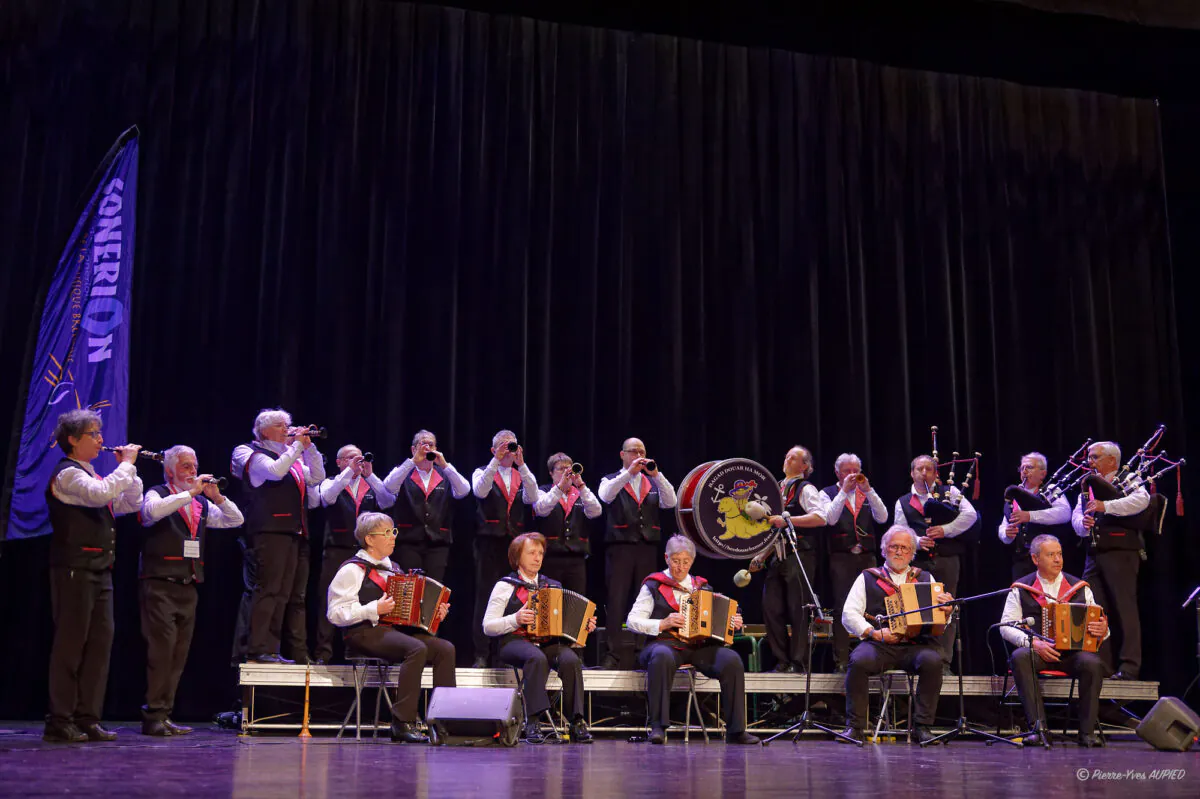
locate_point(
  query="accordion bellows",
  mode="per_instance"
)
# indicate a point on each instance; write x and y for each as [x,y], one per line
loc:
[559,613]
[417,599]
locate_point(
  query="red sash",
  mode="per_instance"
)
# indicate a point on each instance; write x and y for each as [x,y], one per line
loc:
[374,576]
[434,479]
[503,488]
[1065,590]
[645,489]
[885,583]
[856,507]
[667,586]
[568,502]
[363,488]
[190,513]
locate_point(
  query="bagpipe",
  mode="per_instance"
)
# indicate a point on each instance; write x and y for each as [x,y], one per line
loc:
[1141,471]
[942,507]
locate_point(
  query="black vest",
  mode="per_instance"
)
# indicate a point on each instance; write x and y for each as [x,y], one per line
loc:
[1029,604]
[806,537]
[917,521]
[565,534]
[369,591]
[495,516]
[660,585]
[875,595]
[162,549]
[1113,535]
[842,535]
[519,597]
[277,506]
[421,519]
[341,516]
[1027,532]
[80,538]
[627,521]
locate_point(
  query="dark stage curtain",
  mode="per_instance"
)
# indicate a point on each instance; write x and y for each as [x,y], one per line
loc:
[386,217]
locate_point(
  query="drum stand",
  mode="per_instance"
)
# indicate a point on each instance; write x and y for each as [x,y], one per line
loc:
[806,720]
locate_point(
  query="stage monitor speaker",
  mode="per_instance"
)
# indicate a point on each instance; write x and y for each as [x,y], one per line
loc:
[1170,725]
[474,716]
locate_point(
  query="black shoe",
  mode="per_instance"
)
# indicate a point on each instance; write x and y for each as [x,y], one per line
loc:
[579,732]
[318,661]
[1123,675]
[855,735]
[1089,741]
[265,658]
[59,733]
[156,728]
[533,734]
[922,734]
[405,732]
[742,738]
[95,732]
[176,729]
[303,660]
[1031,739]
[784,668]
[479,663]
[609,663]
[658,735]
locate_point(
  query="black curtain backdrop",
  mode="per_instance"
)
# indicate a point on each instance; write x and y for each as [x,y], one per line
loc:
[384,217]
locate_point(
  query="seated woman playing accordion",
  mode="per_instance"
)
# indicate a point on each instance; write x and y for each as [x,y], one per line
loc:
[508,617]
[358,598]
[656,612]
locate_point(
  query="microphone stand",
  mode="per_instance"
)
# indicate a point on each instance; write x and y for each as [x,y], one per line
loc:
[962,727]
[1040,727]
[806,720]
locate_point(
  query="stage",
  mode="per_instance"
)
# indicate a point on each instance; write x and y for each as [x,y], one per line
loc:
[220,762]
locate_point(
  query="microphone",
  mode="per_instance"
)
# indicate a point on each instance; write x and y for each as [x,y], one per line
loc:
[1028,621]
[742,578]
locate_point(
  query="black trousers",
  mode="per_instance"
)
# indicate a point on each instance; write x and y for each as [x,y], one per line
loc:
[871,657]
[570,570]
[82,607]
[626,565]
[661,661]
[429,558]
[1113,579]
[241,629]
[277,606]
[844,569]
[784,598]
[1086,667]
[946,570]
[535,662]
[412,650]
[491,563]
[327,634]
[168,619]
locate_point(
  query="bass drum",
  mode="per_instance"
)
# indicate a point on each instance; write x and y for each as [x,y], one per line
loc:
[712,509]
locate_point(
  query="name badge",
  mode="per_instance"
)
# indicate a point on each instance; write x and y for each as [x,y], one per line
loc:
[191,548]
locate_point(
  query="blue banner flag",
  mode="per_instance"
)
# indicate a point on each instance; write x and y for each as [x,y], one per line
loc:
[81,358]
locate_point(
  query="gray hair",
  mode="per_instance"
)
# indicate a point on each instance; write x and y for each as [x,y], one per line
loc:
[893,531]
[1108,448]
[341,453]
[1035,546]
[680,543]
[843,459]
[503,434]
[555,459]
[370,523]
[913,464]
[171,457]
[808,459]
[75,423]
[268,417]
[1037,458]
[417,437]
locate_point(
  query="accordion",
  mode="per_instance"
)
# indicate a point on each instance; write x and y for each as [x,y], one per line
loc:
[559,613]
[1067,624]
[417,599]
[707,616]
[914,623]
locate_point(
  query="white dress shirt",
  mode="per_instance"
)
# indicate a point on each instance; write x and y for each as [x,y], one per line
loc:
[122,489]
[1058,513]
[639,615]
[546,502]
[1124,506]
[1012,608]
[459,487]
[610,487]
[835,506]
[959,524]
[263,468]
[495,623]
[855,607]
[331,487]
[156,507]
[344,609]
[483,479]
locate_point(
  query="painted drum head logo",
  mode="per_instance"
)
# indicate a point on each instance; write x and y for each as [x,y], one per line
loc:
[725,508]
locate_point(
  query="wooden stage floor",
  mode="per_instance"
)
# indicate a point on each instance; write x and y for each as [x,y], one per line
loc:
[213,762]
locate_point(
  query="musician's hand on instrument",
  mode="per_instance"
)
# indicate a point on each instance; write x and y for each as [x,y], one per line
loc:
[298,434]
[937,531]
[526,617]
[737,622]
[439,459]
[759,560]
[564,485]
[926,543]
[1010,532]
[1045,650]
[636,466]
[591,625]
[1098,628]
[356,464]
[673,621]
[366,469]
[886,636]
[519,458]
[127,453]
[943,598]
[443,610]
[776,521]
[577,481]
[1018,516]
[384,605]
[1089,522]
[1094,506]
[198,485]
[213,493]
[653,473]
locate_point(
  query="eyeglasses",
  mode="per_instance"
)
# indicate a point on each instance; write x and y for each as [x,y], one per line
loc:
[392,532]
[638,451]
[95,434]
[899,548]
